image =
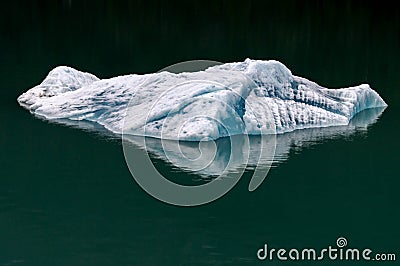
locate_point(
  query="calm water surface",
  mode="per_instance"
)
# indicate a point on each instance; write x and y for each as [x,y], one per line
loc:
[66,194]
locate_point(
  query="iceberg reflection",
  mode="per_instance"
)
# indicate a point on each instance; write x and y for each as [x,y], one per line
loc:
[210,158]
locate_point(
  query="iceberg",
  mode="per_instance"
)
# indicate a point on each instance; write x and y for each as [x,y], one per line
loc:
[252,97]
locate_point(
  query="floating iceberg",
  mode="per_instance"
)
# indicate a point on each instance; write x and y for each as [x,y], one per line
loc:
[252,97]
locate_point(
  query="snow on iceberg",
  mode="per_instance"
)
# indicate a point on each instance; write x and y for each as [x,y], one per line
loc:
[264,98]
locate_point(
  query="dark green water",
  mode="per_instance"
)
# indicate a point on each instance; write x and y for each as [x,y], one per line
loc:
[67,197]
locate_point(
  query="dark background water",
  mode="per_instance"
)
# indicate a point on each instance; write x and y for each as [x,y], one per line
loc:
[67,197]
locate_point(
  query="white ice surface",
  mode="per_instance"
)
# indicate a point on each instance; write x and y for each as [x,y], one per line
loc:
[250,97]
